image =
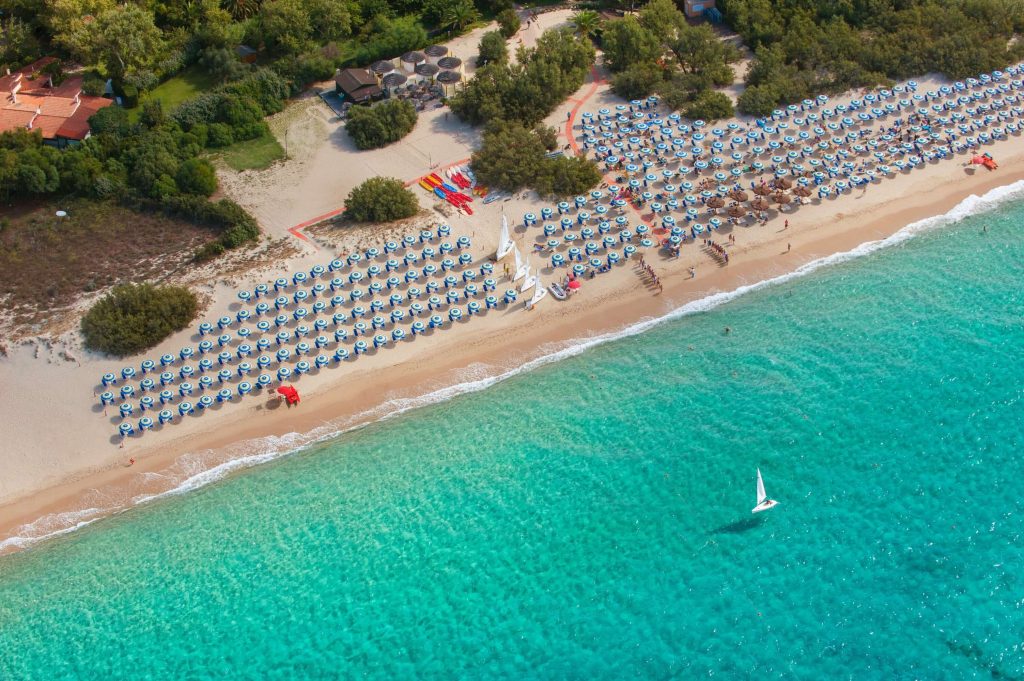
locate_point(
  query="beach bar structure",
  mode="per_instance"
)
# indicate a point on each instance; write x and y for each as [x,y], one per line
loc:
[450,64]
[434,53]
[357,85]
[410,60]
[449,80]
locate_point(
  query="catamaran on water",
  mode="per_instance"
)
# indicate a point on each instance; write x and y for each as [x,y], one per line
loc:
[763,502]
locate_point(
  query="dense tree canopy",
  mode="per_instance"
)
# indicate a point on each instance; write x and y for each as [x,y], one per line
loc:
[513,157]
[806,48]
[380,125]
[659,51]
[530,89]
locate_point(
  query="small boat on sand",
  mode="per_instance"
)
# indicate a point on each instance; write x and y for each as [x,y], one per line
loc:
[557,291]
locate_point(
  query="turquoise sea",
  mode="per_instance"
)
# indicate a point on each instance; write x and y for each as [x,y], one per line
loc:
[591,519]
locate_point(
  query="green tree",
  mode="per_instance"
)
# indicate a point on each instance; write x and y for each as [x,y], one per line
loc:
[758,100]
[586,23]
[241,9]
[625,41]
[126,40]
[709,106]
[492,49]
[380,199]
[568,176]
[380,125]
[510,156]
[663,19]
[508,22]
[197,176]
[459,15]
[223,64]
[637,81]
[286,25]
[133,318]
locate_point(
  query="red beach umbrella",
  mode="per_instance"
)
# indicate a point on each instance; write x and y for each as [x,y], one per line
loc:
[574,284]
[291,395]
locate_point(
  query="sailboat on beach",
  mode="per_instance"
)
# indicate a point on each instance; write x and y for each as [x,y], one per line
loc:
[763,502]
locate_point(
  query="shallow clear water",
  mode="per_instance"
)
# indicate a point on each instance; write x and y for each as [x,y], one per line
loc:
[591,519]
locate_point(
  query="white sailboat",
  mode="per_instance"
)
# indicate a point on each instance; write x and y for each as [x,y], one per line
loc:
[505,243]
[538,292]
[522,266]
[763,502]
[529,280]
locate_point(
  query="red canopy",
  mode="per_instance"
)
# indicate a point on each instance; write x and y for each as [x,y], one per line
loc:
[290,394]
[574,284]
[978,160]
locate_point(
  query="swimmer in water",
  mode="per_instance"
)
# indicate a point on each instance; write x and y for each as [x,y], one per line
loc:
[728,330]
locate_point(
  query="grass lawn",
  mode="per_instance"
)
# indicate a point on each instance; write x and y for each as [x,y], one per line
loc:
[173,91]
[255,154]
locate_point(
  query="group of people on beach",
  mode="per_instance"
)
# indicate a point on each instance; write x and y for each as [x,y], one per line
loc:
[652,276]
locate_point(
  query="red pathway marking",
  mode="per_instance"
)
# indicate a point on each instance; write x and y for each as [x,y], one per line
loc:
[571,123]
[296,231]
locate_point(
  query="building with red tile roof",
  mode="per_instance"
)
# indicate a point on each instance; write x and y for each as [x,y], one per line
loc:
[29,100]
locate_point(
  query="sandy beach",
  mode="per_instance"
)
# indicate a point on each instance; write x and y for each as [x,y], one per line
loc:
[64,466]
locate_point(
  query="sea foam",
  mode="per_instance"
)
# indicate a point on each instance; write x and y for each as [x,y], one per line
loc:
[263,450]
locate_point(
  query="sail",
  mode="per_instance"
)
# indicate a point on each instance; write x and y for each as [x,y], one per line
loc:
[761,496]
[538,292]
[522,267]
[505,243]
[528,281]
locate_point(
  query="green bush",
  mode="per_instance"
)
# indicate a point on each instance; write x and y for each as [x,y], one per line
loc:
[530,90]
[219,135]
[512,157]
[129,96]
[196,176]
[380,199]
[380,125]
[132,318]
[508,22]
[709,106]
[391,37]
[492,49]
[637,81]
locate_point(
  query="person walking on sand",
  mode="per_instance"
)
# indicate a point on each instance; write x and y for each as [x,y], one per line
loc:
[786,226]
[693,272]
[789,247]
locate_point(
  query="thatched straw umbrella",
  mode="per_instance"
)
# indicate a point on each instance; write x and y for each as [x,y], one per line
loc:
[783,183]
[762,190]
[738,195]
[760,204]
[781,199]
[716,202]
[736,211]
[802,191]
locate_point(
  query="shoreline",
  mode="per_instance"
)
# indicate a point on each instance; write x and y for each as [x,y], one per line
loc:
[493,350]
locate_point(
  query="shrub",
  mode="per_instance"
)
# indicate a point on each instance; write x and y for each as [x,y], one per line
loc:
[132,318]
[508,22]
[568,176]
[709,106]
[394,36]
[380,199]
[637,81]
[93,84]
[492,49]
[219,135]
[380,125]
[129,96]
[196,176]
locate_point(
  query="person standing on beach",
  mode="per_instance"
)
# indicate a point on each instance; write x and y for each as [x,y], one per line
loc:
[789,247]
